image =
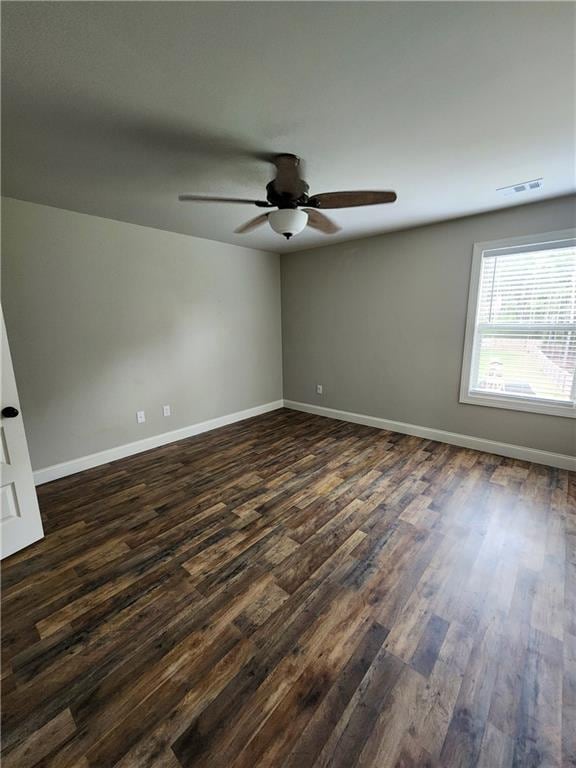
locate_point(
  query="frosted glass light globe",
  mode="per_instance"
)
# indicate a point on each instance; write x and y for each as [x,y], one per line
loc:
[288,221]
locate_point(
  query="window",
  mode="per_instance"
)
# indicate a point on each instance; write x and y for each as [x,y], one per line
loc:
[520,349]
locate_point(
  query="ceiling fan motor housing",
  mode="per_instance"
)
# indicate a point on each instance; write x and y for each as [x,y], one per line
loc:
[292,199]
[288,221]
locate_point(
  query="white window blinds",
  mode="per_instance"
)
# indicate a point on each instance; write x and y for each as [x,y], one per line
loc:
[524,335]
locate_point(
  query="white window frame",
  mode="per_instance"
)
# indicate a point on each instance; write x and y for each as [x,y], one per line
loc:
[509,245]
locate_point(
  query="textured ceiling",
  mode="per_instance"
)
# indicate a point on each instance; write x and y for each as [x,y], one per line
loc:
[114,108]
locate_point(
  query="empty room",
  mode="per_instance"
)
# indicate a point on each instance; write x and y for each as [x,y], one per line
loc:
[288,405]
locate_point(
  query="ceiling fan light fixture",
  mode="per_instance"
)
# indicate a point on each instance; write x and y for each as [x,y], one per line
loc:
[288,221]
[288,192]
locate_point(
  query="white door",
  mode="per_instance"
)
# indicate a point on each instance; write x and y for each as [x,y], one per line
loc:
[20,516]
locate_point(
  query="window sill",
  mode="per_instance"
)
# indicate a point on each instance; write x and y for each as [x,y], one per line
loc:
[519,404]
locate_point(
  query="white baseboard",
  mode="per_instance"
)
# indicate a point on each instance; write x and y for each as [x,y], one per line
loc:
[548,458]
[559,460]
[129,449]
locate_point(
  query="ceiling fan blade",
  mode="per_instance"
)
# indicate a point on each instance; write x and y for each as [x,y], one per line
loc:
[288,179]
[252,224]
[204,199]
[350,199]
[317,220]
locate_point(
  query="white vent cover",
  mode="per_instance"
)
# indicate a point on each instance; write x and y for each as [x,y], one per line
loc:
[521,187]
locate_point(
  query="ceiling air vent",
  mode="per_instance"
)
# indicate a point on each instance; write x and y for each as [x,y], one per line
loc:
[522,187]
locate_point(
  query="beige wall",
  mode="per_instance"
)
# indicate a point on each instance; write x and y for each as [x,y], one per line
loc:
[380,323]
[106,318]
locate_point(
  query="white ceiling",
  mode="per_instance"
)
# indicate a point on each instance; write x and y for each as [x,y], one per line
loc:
[114,108]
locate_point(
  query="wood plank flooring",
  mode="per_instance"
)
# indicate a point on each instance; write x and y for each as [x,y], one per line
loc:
[296,592]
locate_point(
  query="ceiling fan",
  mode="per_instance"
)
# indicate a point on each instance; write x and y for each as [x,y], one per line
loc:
[288,193]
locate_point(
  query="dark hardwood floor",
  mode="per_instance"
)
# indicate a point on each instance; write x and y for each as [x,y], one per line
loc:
[296,592]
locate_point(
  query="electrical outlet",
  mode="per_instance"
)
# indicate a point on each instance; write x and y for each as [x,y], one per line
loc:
[140,417]
[319,389]
[166,410]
